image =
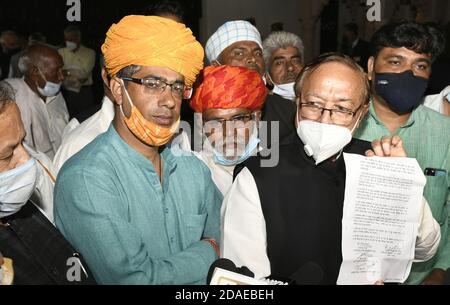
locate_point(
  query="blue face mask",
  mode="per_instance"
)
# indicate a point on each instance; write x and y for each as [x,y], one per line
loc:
[249,150]
[402,91]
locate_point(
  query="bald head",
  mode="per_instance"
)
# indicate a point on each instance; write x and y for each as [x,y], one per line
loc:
[41,64]
[39,56]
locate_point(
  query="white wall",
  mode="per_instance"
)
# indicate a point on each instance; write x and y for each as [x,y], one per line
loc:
[265,12]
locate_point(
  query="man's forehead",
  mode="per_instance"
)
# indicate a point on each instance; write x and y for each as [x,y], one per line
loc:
[159,72]
[286,52]
[404,52]
[244,44]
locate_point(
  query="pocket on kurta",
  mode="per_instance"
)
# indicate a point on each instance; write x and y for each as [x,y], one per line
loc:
[436,189]
[195,226]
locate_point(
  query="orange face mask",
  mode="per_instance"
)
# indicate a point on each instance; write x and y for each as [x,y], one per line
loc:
[148,132]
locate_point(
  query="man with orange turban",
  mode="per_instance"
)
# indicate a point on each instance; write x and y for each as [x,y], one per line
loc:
[126,200]
[229,99]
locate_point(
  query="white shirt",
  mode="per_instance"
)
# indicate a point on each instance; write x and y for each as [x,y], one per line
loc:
[44,122]
[43,194]
[436,102]
[221,175]
[85,133]
[244,239]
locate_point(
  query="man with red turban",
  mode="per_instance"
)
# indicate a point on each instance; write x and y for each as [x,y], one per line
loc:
[230,100]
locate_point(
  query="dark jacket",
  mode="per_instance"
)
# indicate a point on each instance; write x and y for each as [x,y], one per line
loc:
[40,254]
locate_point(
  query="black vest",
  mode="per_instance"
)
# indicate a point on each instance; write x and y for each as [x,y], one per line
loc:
[302,205]
[40,253]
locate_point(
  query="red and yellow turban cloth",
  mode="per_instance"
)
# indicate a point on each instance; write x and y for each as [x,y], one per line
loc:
[227,87]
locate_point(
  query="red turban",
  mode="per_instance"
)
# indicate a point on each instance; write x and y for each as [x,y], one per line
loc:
[227,87]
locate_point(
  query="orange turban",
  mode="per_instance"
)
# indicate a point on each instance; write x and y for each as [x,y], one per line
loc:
[153,41]
[226,87]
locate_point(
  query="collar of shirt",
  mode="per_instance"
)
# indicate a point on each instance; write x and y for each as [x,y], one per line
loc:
[133,156]
[409,123]
[47,101]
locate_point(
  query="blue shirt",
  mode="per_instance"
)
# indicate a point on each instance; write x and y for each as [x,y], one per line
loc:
[130,228]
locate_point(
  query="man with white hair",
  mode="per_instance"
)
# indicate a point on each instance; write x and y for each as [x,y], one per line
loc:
[42,106]
[283,54]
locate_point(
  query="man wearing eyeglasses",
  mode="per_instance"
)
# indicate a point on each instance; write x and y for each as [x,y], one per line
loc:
[140,212]
[289,216]
[229,99]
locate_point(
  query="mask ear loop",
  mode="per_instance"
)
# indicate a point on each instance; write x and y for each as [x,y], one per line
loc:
[129,99]
[352,131]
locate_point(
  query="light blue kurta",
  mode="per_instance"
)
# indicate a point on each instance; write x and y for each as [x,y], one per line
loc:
[110,204]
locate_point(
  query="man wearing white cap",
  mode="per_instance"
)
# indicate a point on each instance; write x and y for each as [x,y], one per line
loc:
[236,43]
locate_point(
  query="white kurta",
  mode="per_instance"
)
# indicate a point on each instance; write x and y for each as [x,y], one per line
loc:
[243,231]
[221,175]
[43,194]
[85,133]
[44,122]
[435,102]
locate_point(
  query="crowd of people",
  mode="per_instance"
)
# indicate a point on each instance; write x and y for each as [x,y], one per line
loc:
[127,194]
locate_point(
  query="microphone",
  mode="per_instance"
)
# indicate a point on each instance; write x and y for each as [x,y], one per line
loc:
[224,272]
[447,277]
[308,274]
[221,263]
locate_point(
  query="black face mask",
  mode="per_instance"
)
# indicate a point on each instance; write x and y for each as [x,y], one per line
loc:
[402,91]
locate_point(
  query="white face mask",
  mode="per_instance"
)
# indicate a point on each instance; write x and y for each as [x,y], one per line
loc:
[448,97]
[71,45]
[16,187]
[50,89]
[285,90]
[323,141]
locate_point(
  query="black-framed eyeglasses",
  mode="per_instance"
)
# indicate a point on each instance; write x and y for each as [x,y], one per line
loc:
[155,86]
[339,115]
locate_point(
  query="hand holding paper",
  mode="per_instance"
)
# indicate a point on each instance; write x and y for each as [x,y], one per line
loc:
[382,205]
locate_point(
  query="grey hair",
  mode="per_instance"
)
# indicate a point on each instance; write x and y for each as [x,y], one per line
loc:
[281,40]
[128,71]
[24,64]
[7,94]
